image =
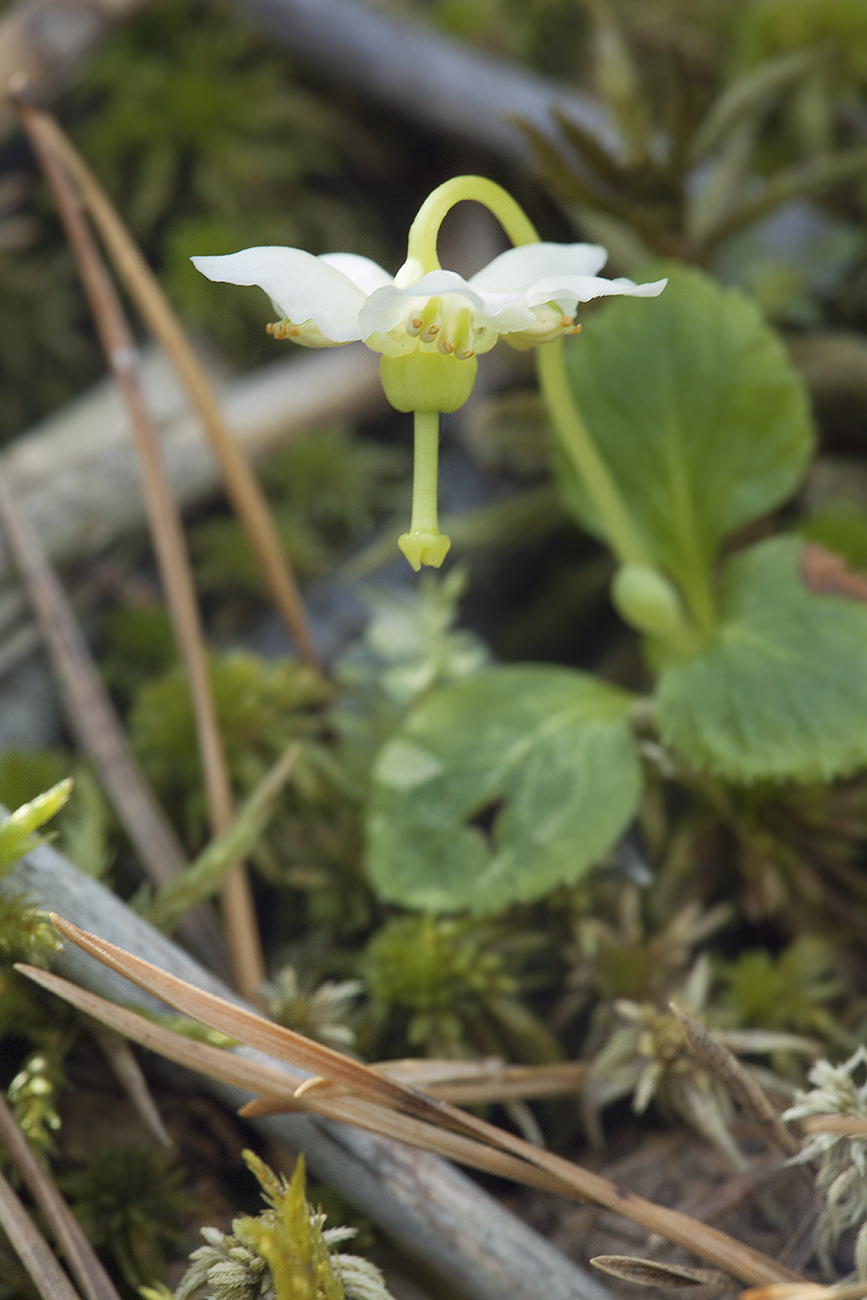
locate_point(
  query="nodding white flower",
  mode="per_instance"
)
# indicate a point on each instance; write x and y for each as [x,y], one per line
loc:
[527,295]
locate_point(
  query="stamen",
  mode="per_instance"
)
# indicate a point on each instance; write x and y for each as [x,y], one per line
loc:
[566,321]
[459,340]
[427,323]
[283,329]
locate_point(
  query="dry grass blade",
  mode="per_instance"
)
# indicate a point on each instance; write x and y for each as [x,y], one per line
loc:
[728,1069]
[845,1125]
[240,483]
[468,1083]
[32,1249]
[167,532]
[807,1291]
[249,1028]
[369,1090]
[280,1086]
[96,724]
[130,1076]
[463,1083]
[76,1249]
[648,1272]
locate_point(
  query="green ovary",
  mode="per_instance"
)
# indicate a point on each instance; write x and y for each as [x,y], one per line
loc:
[425,380]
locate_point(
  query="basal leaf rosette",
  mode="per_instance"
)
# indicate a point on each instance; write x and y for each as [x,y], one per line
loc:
[780,692]
[701,418]
[500,788]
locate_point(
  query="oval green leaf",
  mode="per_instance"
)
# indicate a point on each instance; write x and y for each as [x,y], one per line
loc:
[500,788]
[698,412]
[781,690]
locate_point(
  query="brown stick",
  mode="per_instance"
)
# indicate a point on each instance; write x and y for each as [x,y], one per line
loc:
[367,1098]
[76,1249]
[239,481]
[32,1248]
[429,1207]
[47,41]
[854,1126]
[132,1079]
[96,724]
[728,1069]
[168,540]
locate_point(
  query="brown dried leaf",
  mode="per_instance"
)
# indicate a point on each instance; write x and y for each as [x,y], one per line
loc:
[827,574]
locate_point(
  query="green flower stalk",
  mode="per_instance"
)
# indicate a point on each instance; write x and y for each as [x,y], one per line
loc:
[430,325]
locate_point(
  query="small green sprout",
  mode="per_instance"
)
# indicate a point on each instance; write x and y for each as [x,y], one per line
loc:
[286,1253]
[17,831]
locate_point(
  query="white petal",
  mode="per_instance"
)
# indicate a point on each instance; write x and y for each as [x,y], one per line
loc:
[519,268]
[304,287]
[363,273]
[391,306]
[442,282]
[566,291]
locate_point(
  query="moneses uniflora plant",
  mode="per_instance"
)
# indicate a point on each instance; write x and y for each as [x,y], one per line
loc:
[430,325]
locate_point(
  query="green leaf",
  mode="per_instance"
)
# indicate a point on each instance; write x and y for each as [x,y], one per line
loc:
[698,413]
[500,788]
[781,690]
[17,830]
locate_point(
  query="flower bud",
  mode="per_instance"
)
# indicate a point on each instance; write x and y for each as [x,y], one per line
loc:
[646,600]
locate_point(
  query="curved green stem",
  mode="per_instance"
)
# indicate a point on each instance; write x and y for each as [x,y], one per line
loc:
[423,233]
[613,514]
[574,435]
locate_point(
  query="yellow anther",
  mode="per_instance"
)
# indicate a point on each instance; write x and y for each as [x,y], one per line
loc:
[428,323]
[458,339]
[283,329]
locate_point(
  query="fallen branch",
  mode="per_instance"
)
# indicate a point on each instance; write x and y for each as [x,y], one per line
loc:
[89,708]
[48,40]
[432,1210]
[65,1228]
[344,1088]
[443,84]
[76,474]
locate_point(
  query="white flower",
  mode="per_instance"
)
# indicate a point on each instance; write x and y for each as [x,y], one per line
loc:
[527,295]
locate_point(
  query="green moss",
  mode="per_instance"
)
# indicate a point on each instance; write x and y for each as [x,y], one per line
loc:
[452,984]
[131,1204]
[261,708]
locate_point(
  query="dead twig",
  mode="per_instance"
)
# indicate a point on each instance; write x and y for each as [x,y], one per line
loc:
[130,1076]
[168,538]
[96,724]
[32,1249]
[427,1205]
[728,1069]
[239,482]
[370,1100]
[73,1244]
[47,40]
[844,1125]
